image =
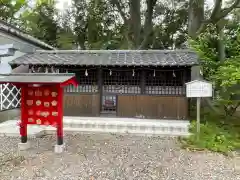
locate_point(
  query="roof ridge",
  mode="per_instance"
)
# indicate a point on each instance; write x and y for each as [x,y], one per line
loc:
[9,28]
[111,51]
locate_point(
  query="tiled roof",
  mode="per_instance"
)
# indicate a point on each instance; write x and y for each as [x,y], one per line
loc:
[110,57]
[8,28]
[35,78]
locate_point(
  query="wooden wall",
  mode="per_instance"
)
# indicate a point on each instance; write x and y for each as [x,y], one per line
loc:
[159,107]
[76,104]
[145,106]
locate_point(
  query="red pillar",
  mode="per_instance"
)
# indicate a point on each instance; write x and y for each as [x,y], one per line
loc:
[60,116]
[23,124]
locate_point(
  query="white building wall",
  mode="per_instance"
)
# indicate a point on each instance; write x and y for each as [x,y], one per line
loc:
[10,95]
[22,47]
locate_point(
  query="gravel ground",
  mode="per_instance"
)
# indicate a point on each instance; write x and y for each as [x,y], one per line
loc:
[111,157]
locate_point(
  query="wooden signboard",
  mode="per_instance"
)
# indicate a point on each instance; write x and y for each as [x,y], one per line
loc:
[42,105]
[199,89]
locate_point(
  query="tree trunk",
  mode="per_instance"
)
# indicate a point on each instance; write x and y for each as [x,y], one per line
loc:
[196,17]
[148,25]
[220,27]
[134,36]
[221,45]
[135,22]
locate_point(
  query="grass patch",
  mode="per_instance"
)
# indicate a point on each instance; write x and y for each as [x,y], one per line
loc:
[217,134]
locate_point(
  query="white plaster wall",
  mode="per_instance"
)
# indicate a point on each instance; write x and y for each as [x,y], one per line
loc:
[10,58]
[22,47]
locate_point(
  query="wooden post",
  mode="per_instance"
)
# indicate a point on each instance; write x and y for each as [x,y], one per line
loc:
[142,81]
[60,117]
[23,124]
[100,86]
[198,116]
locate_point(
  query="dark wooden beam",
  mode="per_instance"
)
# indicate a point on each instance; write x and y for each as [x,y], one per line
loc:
[100,85]
[143,81]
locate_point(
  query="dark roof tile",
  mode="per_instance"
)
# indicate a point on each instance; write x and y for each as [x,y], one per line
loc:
[110,57]
[8,28]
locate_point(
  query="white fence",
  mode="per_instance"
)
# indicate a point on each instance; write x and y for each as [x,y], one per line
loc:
[10,97]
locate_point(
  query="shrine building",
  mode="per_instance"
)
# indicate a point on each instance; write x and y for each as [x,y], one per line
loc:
[120,83]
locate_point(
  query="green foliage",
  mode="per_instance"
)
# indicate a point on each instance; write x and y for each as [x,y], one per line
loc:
[170,32]
[224,75]
[10,8]
[94,24]
[40,21]
[66,39]
[217,134]
[228,75]
[228,79]
[98,24]
[206,47]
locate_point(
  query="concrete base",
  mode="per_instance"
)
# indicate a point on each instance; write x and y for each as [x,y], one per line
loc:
[23,146]
[149,127]
[9,115]
[59,148]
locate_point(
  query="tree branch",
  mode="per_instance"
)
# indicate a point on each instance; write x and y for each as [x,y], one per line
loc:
[217,7]
[225,11]
[216,15]
[119,7]
[236,4]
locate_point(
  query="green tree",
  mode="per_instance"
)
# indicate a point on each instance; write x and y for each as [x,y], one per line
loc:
[40,21]
[224,74]
[66,39]
[198,21]
[153,24]
[94,23]
[170,31]
[9,9]
[136,33]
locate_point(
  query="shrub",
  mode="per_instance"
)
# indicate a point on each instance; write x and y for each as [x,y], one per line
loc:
[215,135]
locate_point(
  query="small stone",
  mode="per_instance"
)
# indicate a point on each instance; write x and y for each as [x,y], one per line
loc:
[128,157]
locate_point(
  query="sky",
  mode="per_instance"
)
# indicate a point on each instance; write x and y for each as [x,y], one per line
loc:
[63,4]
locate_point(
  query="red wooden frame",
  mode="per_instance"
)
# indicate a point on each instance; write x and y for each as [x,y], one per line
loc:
[42,104]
